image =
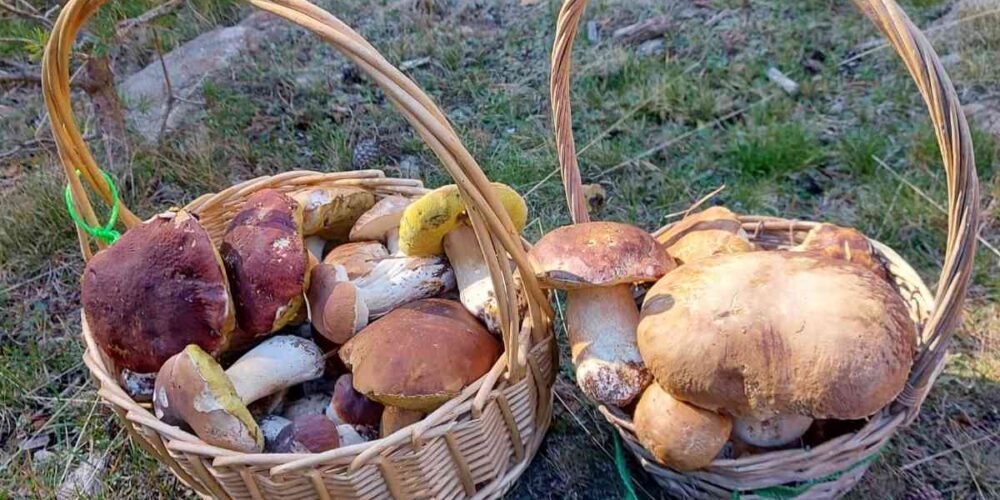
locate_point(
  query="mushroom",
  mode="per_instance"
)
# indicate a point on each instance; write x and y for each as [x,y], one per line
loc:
[139,386]
[160,287]
[843,243]
[381,222]
[437,222]
[330,211]
[316,246]
[679,435]
[776,334]
[420,355]
[349,436]
[399,280]
[710,232]
[271,427]
[358,259]
[596,263]
[338,310]
[267,262]
[309,434]
[772,432]
[192,387]
[348,406]
[395,418]
[312,404]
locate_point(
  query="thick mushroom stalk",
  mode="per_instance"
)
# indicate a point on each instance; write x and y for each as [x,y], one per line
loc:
[396,281]
[596,263]
[475,287]
[193,388]
[772,432]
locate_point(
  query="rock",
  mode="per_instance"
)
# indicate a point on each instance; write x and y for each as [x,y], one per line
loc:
[985,114]
[42,456]
[145,92]
[34,443]
[652,48]
[592,34]
[86,480]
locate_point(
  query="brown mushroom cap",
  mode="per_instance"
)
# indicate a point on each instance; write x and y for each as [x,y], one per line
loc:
[267,262]
[380,220]
[358,259]
[420,355]
[192,387]
[313,434]
[710,232]
[329,212]
[771,333]
[598,254]
[160,287]
[843,243]
[678,434]
[348,406]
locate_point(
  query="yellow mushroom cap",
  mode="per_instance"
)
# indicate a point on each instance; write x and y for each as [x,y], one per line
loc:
[427,220]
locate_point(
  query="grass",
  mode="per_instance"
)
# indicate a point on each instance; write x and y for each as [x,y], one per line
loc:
[704,108]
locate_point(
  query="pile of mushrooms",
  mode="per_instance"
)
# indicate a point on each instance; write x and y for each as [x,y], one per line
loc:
[323,319]
[746,346]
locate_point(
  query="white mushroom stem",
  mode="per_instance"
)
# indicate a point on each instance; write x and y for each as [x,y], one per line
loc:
[400,280]
[315,245]
[475,287]
[275,364]
[392,241]
[601,324]
[772,432]
[349,436]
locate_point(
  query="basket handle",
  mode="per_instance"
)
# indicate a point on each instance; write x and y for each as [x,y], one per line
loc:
[490,221]
[953,137]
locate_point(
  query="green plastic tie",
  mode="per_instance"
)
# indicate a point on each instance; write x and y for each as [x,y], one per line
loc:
[785,492]
[623,469]
[105,233]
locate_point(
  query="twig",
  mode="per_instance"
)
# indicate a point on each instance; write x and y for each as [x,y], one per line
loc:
[25,14]
[693,207]
[930,200]
[126,27]
[170,88]
[791,87]
[930,32]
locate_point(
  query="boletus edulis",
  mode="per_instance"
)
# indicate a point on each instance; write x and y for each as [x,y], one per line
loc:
[419,356]
[192,387]
[267,263]
[843,243]
[597,263]
[679,435]
[777,335]
[712,231]
[329,212]
[381,222]
[159,288]
[438,222]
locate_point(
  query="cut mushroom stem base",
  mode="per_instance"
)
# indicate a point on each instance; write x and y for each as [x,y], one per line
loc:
[772,432]
[601,324]
[475,287]
[275,364]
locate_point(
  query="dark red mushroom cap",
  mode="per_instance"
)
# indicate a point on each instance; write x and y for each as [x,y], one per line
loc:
[267,262]
[159,288]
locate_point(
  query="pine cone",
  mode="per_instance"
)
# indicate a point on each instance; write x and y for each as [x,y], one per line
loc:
[365,155]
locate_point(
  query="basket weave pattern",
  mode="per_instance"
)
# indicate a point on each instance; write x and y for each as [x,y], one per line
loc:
[836,465]
[474,446]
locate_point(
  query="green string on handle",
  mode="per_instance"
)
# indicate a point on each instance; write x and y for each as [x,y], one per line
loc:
[623,472]
[786,492]
[105,233]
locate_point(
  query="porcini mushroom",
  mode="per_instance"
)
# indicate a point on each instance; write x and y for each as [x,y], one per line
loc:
[710,232]
[434,347]
[358,259]
[596,263]
[772,432]
[348,406]
[765,334]
[395,418]
[381,222]
[843,243]
[160,287]
[271,427]
[330,211]
[267,262]
[678,434]
[437,222]
[398,280]
[338,310]
[310,434]
[192,387]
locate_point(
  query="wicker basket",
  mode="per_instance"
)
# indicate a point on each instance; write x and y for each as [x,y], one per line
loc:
[476,445]
[834,467]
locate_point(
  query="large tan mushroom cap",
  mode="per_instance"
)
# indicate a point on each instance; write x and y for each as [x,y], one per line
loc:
[420,355]
[267,262]
[777,333]
[329,212]
[358,259]
[843,243]
[598,254]
[159,288]
[710,232]
[679,435]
